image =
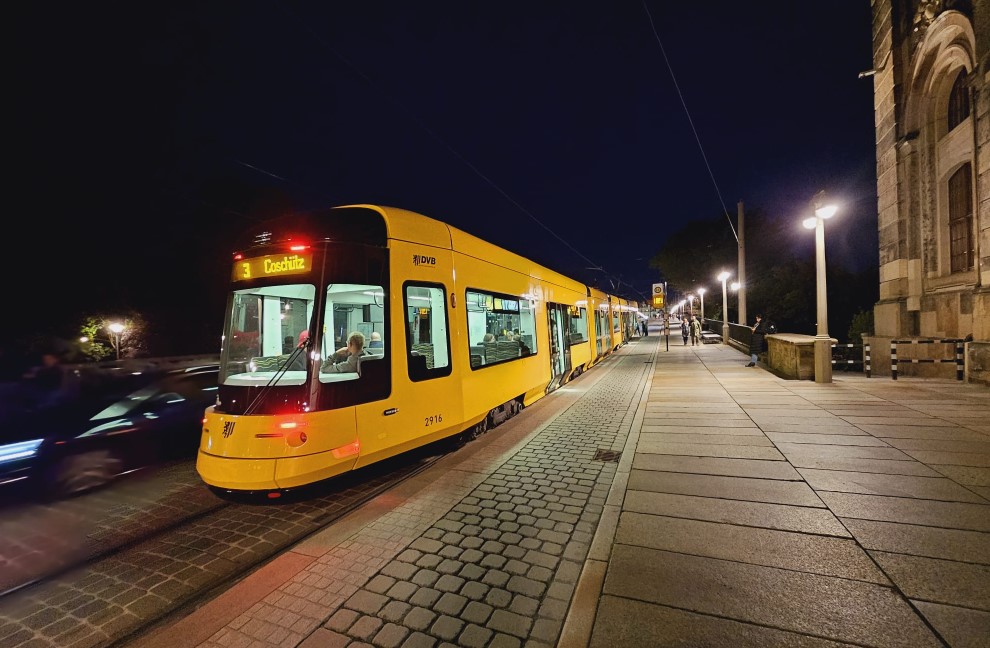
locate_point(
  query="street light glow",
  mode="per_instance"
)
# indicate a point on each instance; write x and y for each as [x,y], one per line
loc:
[723,276]
[826,211]
[810,223]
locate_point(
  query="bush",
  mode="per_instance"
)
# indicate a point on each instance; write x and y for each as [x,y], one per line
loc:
[862,323]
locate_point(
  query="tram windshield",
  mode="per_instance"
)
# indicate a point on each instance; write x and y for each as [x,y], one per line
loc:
[265,328]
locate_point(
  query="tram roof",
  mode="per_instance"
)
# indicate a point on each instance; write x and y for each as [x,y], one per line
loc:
[410,226]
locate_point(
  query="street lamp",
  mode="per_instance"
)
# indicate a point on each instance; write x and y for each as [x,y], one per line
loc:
[690,305]
[823,342]
[723,277]
[701,294]
[116,328]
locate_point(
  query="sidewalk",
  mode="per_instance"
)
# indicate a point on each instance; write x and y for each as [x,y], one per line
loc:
[665,498]
[755,511]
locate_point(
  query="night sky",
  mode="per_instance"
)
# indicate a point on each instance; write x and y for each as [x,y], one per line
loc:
[144,136]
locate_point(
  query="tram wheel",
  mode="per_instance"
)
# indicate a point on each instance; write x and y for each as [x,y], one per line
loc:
[82,472]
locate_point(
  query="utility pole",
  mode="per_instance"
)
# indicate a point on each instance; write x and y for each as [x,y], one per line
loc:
[742,266]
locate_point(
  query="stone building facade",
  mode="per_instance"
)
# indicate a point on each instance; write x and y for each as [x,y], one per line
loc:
[932,111]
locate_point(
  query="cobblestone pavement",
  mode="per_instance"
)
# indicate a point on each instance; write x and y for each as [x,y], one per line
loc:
[203,542]
[484,549]
[38,539]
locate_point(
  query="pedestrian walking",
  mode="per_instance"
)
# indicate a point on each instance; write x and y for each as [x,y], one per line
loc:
[685,330]
[695,331]
[757,343]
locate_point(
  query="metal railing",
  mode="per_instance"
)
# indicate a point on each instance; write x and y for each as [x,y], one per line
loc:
[960,365]
[841,353]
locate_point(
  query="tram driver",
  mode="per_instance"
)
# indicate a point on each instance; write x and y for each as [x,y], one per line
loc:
[347,359]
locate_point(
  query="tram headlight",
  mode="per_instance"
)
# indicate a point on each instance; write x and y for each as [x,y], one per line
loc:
[19,450]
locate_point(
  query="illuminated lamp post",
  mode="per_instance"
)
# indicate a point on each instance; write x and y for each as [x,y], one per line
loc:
[116,328]
[690,305]
[823,342]
[723,277]
[701,295]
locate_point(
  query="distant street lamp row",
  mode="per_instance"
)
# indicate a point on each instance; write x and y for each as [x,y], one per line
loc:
[823,342]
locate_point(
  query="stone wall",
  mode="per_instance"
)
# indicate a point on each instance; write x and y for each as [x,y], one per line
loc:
[918,51]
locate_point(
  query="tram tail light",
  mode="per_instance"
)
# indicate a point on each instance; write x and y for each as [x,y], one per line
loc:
[348,450]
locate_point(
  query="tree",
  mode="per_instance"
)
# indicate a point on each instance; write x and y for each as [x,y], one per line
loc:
[102,342]
[780,271]
[690,253]
[93,349]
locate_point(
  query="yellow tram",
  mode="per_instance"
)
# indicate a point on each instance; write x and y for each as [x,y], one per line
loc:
[465,335]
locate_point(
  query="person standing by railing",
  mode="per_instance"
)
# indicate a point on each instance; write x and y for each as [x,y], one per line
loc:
[757,343]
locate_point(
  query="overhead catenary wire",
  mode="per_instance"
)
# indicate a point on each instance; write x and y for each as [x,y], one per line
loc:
[419,122]
[690,121]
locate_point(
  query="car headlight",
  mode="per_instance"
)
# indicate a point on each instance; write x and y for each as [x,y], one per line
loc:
[19,450]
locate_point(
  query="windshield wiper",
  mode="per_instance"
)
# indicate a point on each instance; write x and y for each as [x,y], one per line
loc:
[263,392]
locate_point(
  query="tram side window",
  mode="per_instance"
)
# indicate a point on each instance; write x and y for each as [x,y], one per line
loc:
[579,325]
[616,326]
[427,331]
[500,327]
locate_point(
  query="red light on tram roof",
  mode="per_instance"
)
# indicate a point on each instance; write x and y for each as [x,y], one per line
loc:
[238,256]
[298,247]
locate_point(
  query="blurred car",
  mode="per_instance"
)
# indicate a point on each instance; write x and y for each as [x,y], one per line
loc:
[104,424]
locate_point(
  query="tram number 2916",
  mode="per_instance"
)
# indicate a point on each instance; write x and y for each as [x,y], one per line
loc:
[432,420]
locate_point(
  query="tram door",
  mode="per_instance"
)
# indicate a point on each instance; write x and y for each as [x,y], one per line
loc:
[560,350]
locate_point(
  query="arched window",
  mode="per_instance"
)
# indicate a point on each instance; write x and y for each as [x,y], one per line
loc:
[961,218]
[958,102]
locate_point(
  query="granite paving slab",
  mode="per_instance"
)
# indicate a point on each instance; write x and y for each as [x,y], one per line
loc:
[934,488]
[932,457]
[939,445]
[712,420]
[839,451]
[948,515]
[961,627]
[822,606]
[968,475]
[756,468]
[715,439]
[635,624]
[916,540]
[923,432]
[658,446]
[939,581]
[827,439]
[750,430]
[810,426]
[902,421]
[881,466]
[803,552]
[735,488]
[756,514]
[694,414]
